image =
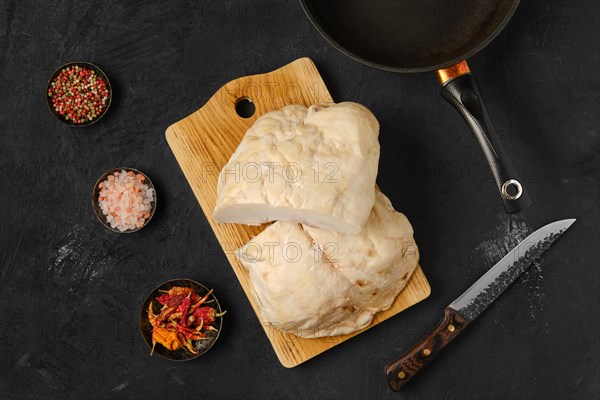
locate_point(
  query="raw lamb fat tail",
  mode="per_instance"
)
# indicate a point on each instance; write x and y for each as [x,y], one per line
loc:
[337,282]
[314,165]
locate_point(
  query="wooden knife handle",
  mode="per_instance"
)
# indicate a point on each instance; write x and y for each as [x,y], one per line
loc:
[402,369]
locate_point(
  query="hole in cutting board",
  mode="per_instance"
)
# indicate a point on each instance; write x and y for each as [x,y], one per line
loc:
[244,107]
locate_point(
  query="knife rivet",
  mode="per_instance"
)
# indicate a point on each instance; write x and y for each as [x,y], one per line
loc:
[401,375]
[426,352]
[451,328]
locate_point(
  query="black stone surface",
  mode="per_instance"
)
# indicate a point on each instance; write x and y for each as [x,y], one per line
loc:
[70,290]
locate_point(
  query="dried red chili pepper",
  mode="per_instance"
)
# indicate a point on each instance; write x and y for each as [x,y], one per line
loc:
[207,314]
[164,314]
[151,315]
[189,346]
[188,333]
[183,309]
[174,300]
[184,291]
[170,300]
[180,290]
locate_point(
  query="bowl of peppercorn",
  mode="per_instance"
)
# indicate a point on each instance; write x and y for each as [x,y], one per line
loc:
[78,93]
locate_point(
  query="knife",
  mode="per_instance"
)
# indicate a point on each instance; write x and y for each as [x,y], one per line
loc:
[471,303]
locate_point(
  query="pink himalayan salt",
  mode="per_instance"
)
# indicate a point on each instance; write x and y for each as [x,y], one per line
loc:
[125,200]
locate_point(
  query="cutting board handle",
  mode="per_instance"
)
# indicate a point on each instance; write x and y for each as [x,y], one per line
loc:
[265,92]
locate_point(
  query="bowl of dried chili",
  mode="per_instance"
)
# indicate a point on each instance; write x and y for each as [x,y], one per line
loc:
[181,320]
[78,93]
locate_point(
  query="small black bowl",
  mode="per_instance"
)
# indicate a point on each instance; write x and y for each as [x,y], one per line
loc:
[181,354]
[87,65]
[96,192]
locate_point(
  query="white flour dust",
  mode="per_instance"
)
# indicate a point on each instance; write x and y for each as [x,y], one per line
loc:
[504,238]
[74,256]
[511,230]
[69,251]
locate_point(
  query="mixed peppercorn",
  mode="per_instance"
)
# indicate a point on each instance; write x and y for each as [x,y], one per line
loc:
[78,94]
[183,318]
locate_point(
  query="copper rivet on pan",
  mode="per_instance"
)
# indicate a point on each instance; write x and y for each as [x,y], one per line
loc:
[451,328]
[447,74]
[426,352]
[401,375]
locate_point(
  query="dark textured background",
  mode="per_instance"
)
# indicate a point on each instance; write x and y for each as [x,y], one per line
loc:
[71,290]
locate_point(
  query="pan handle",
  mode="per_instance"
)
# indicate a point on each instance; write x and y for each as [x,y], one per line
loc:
[460,89]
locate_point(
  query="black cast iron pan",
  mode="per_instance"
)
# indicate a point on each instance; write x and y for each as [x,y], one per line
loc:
[420,36]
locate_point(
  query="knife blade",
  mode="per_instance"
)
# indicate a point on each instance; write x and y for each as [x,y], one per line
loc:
[473,301]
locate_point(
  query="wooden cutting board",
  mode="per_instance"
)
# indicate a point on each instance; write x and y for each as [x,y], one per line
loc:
[204,141]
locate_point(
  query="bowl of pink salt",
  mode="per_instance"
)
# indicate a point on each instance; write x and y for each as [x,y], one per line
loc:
[124,200]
